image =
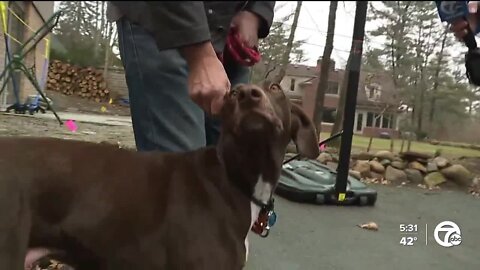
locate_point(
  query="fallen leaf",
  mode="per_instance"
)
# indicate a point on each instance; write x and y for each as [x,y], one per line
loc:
[369,226]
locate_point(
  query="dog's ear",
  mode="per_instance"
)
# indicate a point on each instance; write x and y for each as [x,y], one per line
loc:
[304,133]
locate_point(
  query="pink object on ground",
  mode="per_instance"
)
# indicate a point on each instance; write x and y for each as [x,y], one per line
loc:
[71,125]
[323,147]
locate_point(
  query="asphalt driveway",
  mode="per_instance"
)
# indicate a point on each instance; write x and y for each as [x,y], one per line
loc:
[326,237]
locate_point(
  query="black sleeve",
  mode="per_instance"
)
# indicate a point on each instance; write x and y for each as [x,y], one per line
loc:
[264,9]
[172,24]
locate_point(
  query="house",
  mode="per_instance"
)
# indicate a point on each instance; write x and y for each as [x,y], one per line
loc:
[23,19]
[377,102]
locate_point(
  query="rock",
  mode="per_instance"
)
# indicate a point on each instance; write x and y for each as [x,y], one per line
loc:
[377,176]
[365,156]
[476,182]
[385,162]
[398,159]
[441,162]
[432,167]
[434,179]
[458,174]
[376,166]
[417,166]
[398,165]
[332,165]
[363,167]
[434,142]
[385,155]
[324,158]
[395,176]
[415,156]
[414,176]
[355,174]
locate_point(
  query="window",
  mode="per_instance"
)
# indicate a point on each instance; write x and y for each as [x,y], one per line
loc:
[292,84]
[386,121]
[359,121]
[369,119]
[332,88]
[378,120]
[329,115]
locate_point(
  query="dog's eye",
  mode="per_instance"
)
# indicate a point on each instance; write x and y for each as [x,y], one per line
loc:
[274,88]
[233,92]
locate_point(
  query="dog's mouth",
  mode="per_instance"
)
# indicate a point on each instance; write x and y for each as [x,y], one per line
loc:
[259,123]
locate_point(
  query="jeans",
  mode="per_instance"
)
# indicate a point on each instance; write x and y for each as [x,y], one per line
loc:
[163,115]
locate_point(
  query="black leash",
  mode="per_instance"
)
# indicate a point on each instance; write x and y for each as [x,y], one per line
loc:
[319,145]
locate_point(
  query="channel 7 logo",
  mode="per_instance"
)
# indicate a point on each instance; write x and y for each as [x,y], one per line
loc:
[452,235]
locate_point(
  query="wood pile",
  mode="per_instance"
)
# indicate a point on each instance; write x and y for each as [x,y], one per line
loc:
[68,79]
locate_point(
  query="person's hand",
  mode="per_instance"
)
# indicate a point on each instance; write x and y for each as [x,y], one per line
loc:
[459,27]
[208,82]
[247,24]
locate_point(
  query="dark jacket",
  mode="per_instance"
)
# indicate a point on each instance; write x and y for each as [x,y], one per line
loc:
[180,23]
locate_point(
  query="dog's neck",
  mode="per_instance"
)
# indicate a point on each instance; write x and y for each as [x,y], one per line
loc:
[253,167]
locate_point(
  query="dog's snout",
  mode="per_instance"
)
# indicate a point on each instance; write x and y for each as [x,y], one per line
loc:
[250,94]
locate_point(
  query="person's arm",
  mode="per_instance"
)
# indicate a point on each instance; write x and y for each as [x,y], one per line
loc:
[264,10]
[172,24]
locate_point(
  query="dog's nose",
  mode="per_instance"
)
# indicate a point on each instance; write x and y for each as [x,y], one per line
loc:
[249,94]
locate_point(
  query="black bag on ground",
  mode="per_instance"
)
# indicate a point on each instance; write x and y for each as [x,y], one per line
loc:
[309,181]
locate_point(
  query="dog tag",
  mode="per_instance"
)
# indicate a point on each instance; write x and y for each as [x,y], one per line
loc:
[272,219]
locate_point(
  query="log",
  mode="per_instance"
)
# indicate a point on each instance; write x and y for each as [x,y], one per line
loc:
[84,82]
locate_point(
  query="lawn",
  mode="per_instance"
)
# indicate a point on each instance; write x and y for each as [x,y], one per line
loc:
[361,143]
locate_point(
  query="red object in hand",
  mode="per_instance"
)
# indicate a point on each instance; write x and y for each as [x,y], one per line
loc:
[240,53]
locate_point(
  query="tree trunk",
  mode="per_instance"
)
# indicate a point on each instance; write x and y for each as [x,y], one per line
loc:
[288,49]
[436,78]
[325,68]
[337,125]
[98,29]
[108,50]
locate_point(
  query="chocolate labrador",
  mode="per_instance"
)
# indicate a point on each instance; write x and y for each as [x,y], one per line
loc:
[111,208]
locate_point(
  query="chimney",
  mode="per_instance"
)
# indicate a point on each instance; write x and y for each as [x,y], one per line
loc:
[332,64]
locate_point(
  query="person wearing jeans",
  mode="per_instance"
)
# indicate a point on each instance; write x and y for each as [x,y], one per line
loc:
[175,78]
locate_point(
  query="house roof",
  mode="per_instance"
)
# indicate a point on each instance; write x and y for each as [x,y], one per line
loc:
[386,88]
[301,71]
[387,91]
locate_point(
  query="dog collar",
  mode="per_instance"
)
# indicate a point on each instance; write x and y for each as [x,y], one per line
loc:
[266,218]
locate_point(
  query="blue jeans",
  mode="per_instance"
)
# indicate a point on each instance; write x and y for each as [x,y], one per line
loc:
[163,115]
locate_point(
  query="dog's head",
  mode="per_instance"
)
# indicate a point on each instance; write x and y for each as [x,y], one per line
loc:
[261,121]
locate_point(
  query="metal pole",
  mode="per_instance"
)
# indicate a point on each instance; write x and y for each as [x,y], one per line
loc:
[351,98]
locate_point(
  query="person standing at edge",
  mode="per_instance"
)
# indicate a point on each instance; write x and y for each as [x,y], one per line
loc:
[175,79]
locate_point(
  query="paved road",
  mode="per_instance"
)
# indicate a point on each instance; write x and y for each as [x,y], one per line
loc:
[309,237]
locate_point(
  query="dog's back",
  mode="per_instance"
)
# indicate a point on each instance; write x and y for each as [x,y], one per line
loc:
[120,203]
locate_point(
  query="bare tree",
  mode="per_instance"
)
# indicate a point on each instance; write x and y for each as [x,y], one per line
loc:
[108,48]
[325,67]
[288,49]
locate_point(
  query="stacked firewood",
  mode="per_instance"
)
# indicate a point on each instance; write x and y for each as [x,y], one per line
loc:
[86,82]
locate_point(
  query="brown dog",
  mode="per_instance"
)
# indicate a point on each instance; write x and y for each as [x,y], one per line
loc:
[111,208]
